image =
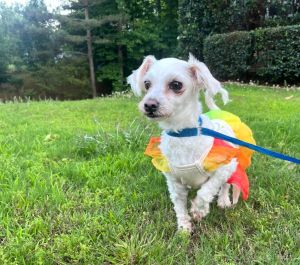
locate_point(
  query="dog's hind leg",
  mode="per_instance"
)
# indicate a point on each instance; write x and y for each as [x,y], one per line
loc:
[223,196]
[178,194]
[235,194]
[200,205]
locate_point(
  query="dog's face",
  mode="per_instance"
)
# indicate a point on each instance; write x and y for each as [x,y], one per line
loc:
[170,85]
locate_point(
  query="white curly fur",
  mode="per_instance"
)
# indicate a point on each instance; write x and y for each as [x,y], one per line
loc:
[176,111]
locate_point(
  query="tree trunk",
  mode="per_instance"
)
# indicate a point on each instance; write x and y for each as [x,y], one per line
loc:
[121,63]
[158,7]
[90,51]
[120,53]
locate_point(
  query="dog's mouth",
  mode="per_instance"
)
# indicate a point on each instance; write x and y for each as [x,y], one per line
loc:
[152,115]
[155,115]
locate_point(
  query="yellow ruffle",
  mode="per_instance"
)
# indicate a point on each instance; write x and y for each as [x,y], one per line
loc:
[159,161]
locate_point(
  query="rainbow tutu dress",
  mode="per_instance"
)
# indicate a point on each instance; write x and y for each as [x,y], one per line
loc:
[220,153]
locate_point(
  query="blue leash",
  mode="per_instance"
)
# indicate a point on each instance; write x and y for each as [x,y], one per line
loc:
[212,133]
[188,132]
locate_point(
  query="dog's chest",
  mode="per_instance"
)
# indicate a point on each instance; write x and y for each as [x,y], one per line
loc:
[186,150]
[185,157]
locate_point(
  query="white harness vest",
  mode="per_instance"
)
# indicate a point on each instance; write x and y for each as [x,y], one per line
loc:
[194,175]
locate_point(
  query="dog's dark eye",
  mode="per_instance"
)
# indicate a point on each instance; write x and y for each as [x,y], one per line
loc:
[147,84]
[175,86]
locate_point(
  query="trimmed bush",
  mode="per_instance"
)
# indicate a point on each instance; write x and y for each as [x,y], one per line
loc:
[277,54]
[228,55]
[269,55]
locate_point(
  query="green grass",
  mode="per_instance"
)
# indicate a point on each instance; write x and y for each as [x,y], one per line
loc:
[77,189]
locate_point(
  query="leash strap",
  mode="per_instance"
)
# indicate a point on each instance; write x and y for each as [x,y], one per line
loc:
[188,132]
[212,133]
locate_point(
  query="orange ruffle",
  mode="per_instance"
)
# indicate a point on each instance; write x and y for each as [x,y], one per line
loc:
[221,154]
[159,161]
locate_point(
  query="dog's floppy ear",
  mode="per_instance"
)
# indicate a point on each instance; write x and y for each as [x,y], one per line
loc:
[205,79]
[135,80]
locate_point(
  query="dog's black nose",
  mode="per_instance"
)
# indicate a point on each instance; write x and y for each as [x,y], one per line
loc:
[151,106]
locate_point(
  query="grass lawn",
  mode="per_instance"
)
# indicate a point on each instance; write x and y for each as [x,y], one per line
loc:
[77,189]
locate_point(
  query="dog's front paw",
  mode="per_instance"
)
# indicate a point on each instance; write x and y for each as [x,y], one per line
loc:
[184,224]
[199,209]
[185,227]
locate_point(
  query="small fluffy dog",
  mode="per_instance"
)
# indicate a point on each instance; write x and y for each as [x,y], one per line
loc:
[171,87]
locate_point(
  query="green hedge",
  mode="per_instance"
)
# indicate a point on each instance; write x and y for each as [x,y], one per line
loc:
[228,55]
[269,55]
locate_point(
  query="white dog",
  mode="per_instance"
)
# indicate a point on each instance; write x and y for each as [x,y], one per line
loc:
[171,88]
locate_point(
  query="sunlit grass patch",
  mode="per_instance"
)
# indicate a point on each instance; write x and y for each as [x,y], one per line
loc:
[113,142]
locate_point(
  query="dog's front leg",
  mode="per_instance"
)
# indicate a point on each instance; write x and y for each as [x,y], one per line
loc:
[178,194]
[200,205]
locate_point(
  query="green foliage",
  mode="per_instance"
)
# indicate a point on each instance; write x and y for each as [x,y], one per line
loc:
[29,48]
[3,64]
[269,55]
[191,37]
[229,55]
[145,27]
[277,54]
[4,48]
[282,13]
[102,19]
[198,19]
[153,21]
[66,79]
[38,44]
[7,41]
[70,199]
[201,18]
